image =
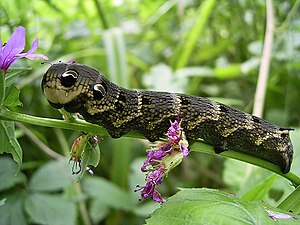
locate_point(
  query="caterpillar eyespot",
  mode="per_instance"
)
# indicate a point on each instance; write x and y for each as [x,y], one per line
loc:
[120,110]
[69,78]
[99,91]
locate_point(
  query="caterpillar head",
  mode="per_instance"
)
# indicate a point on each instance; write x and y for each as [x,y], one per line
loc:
[71,85]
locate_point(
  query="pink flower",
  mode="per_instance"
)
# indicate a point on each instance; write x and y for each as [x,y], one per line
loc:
[154,178]
[12,50]
[163,158]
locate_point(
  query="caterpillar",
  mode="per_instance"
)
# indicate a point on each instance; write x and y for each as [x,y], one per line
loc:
[81,89]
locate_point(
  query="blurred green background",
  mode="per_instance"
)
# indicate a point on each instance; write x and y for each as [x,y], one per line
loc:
[205,48]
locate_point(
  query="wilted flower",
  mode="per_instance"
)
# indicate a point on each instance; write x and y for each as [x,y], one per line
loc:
[277,215]
[12,50]
[153,179]
[161,159]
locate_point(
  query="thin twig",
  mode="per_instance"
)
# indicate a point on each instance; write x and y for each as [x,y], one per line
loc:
[82,205]
[38,142]
[265,62]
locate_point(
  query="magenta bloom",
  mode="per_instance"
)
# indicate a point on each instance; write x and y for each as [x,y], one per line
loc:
[12,50]
[155,178]
[161,159]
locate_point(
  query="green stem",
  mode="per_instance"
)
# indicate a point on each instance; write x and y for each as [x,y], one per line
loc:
[47,122]
[101,14]
[2,87]
[198,146]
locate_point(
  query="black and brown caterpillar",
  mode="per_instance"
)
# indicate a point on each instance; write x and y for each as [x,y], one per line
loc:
[82,89]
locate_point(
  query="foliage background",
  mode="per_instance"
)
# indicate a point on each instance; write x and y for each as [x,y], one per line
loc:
[148,45]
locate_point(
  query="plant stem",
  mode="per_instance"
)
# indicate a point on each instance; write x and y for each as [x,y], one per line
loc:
[82,205]
[2,87]
[47,122]
[198,146]
[38,142]
[101,14]
[261,87]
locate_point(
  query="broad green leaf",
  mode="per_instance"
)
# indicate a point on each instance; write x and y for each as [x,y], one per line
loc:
[211,207]
[11,213]
[8,171]
[108,193]
[12,98]
[9,143]
[53,176]
[50,209]
[260,190]
[98,211]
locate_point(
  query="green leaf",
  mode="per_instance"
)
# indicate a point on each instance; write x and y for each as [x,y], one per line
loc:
[98,211]
[292,203]
[12,98]
[260,190]
[108,193]
[9,143]
[11,213]
[50,209]
[53,176]
[228,72]
[8,171]
[186,46]
[210,207]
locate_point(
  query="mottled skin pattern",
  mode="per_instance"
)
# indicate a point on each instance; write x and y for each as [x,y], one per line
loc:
[82,89]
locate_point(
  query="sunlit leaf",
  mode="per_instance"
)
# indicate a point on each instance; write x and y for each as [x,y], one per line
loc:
[207,206]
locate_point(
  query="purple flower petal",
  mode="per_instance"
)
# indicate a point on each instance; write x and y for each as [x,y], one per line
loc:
[13,48]
[15,44]
[29,54]
[153,179]
[157,197]
[184,150]
[162,159]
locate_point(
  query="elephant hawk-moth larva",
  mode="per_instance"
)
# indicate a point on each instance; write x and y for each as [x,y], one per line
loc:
[82,89]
